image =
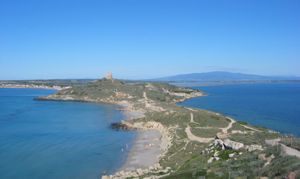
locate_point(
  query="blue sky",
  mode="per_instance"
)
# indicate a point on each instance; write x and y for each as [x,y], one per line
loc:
[147,38]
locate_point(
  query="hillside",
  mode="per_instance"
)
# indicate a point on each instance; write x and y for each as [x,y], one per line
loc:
[116,91]
[222,76]
[195,143]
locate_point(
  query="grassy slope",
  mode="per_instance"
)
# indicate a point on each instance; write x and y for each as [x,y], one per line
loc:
[187,158]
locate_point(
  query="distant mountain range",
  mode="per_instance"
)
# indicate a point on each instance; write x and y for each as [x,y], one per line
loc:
[222,76]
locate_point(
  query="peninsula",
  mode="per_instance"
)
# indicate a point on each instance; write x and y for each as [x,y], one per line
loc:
[192,143]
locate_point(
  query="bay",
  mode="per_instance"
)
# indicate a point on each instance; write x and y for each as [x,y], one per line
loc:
[273,105]
[47,139]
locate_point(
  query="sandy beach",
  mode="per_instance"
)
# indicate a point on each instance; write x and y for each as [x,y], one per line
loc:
[145,151]
[150,144]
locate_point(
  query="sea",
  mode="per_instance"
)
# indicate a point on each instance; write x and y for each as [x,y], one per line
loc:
[51,139]
[272,105]
[48,139]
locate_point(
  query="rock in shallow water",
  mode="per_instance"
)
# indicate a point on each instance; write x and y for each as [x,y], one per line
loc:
[120,126]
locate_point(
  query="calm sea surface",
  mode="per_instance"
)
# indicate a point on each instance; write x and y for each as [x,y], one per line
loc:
[46,139]
[275,106]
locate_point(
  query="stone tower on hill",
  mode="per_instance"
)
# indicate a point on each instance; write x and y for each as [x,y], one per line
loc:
[109,76]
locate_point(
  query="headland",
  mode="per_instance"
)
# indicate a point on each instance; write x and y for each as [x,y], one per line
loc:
[180,142]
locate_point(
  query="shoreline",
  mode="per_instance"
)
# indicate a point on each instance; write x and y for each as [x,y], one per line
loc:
[134,166]
[144,151]
[156,137]
[152,136]
[18,86]
[150,145]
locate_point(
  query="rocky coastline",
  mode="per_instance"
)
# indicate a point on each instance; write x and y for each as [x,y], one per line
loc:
[221,139]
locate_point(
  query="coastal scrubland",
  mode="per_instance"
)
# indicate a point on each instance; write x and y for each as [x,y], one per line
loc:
[195,143]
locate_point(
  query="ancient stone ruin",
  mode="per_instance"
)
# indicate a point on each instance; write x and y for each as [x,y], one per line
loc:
[109,76]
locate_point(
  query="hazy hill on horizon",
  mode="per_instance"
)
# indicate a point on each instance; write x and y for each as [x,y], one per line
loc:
[214,76]
[222,76]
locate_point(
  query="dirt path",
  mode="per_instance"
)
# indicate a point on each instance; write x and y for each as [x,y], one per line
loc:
[251,128]
[145,95]
[191,109]
[192,137]
[225,129]
[192,118]
[150,104]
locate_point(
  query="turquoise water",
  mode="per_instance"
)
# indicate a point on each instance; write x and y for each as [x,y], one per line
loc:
[46,139]
[275,106]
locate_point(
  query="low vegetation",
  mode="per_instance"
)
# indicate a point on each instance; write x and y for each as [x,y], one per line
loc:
[204,144]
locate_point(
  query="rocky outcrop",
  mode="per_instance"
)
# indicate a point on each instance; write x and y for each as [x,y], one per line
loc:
[228,144]
[140,172]
[254,147]
[121,126]
[232,144]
